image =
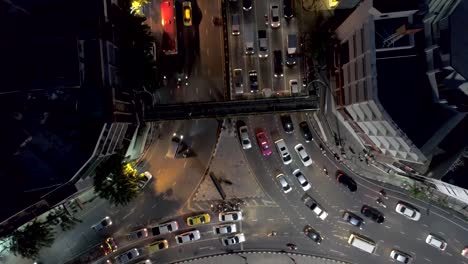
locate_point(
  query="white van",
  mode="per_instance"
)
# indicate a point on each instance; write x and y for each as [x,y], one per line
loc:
[362,243]
[283,151]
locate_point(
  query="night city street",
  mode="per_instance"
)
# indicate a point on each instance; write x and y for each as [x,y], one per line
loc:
[234,131]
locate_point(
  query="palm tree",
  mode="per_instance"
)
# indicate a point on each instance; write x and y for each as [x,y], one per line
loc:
[116,181]
[29,241]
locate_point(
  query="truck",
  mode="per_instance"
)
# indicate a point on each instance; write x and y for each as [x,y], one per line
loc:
[169,26]
[95,253]
[292,50]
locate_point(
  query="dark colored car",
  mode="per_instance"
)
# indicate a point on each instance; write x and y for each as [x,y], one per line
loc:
[306,131]
[374,214]
[278,63]
[288,9]
[253,81]
[313,234]
[247,5]
[287,123]
[346,181]
[353,219]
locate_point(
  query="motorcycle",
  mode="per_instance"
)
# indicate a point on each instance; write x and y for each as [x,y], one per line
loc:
[325,171]
[381,203]
[272,233]
[291,246]
[179,82]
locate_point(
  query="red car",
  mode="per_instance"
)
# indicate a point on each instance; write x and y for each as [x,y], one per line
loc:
[263,143]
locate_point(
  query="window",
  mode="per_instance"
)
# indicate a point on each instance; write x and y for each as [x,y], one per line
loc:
[354,46]
[363,40]
[363,62]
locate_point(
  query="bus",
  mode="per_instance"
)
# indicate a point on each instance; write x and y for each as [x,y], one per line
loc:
[168,21]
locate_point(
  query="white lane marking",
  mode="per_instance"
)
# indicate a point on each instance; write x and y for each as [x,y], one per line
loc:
[271,219]
[428,260]
[174,184]
[254,220]
[185,163]
[129,213]
[403,233]
[387,227]
[154,205]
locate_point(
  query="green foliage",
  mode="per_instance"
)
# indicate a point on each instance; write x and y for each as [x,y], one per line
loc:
[116,181]
[29,241]
[318,37]
[136,63]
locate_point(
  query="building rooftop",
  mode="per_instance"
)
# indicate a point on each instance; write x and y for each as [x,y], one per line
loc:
[404,92]
[459,40]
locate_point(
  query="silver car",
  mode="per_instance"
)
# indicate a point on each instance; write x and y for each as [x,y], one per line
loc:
[244,137]
[138,234]
[127,256]
[305,158]
[238,81]
[225,229]
[284,184]
[188,237]
[165,228]
[305,185]
[103,224]
[400,256]
[275,17]
[232,240]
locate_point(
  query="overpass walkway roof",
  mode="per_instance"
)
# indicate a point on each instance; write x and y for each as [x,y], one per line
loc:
[229,108]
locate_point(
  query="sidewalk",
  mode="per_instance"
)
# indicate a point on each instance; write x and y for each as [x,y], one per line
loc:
[231,169]
[336,137]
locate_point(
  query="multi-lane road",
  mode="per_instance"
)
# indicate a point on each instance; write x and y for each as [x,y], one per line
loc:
[251,22]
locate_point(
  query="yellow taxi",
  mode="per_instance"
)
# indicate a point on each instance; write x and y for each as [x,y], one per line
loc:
[198,219]
[158,245]
[187,9]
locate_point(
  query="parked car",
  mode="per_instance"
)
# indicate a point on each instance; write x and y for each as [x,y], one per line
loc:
[274,16]
[306,131]
[287,123]
[198,219]
[353,219]
[244,137]
[300,150]
[144,179]
[436,242]
[138,234]
[408,211]
[103,224]
[305,185]
[284,183]
[225,229]
[313,234]
[187,8]
[158,246]
[188,237]
[372,213]
[232,240]
[230,216]
[346,181]
[400,256]
[127,256]
[263,143]
[283,151]
[165,228]
[314,206]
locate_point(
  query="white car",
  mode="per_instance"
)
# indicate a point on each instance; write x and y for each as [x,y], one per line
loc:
[127,256]
[436,242]
[283,151]
[300,150]
[284,184]
[138,234]
[225,229]
[188,237]
[294,86]
[400,256]
[410,212]
[305,185]
[146,261]
[165,228]
[103,224]
[274,16]
[230,216]
[145,178]
[314,206]
[244,137]
[232,240]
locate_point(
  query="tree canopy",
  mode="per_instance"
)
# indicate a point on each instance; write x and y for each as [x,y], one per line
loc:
[29,241]
[116,181]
